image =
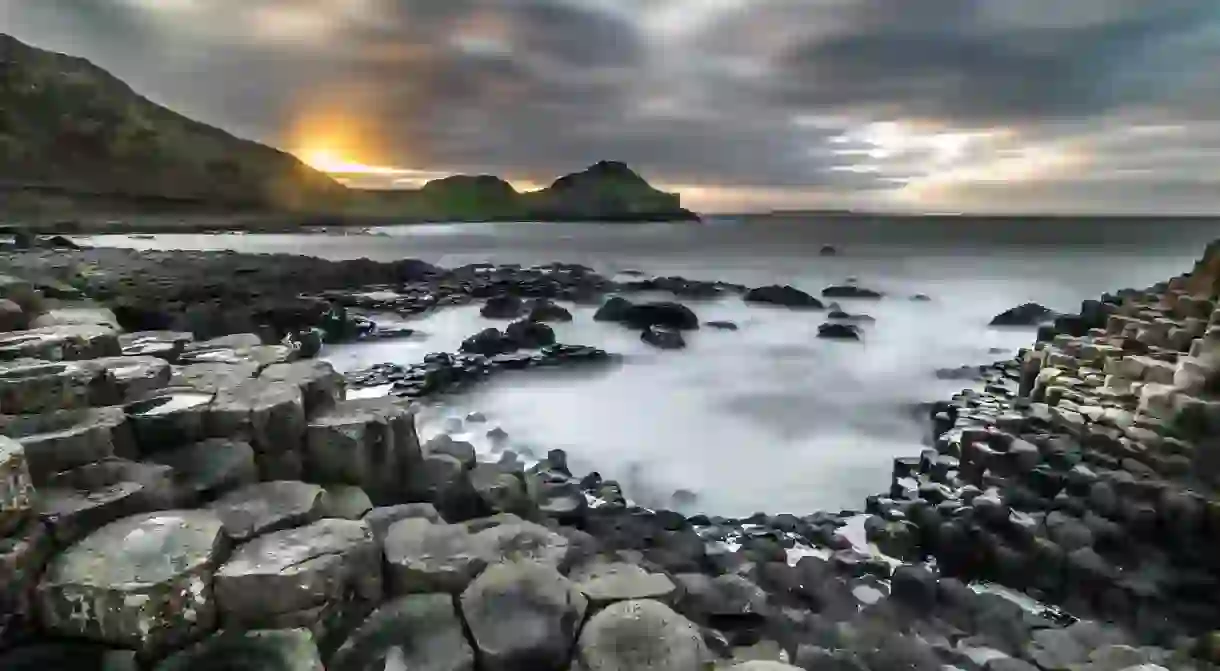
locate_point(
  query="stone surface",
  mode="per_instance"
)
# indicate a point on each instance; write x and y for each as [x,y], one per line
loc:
[259,650]
[210,468]
[213,377]
[29,386]
[524,541]
[133,377]
[522,615]
[75,316]
[370,443]
[165,345]
[72,342]
[143,582]
[64,439]
[173,418]
[77,502]
[604,583]
[381,519]
[345,502]
[419,633]
[266,507]
[425,557]
[640,635]
[270,415]
[321,387]
[16,486]
[24,552]
[325,576]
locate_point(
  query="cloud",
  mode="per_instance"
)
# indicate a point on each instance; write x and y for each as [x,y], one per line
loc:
[878,103]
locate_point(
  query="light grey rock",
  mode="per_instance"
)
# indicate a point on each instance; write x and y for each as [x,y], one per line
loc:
[370,443]
[143,582]
[524,541]
[259,356]
[210,468]
[642,636]
[321,387]
[76,316]
[604,583]
[171,419]
[420,633]
[236,341]
[345,502]
[16,487]
[77,502]
[63,439]
[270,414]
[523,615]
[267,507]
[458,449]
[259,650]
[165,345]
[425,557]
[212,377]
[69,342]
[381,519]
[31,386]
[133,377]
[323,575]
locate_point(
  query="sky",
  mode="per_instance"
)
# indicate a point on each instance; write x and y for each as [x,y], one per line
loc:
[1045,106]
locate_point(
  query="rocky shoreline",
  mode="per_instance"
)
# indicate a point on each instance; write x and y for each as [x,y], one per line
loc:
[181,487]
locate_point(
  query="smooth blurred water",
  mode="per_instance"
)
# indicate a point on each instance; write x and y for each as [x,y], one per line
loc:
[767,417]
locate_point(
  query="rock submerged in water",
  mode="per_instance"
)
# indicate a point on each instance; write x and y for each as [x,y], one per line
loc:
[839,331]
[663,338]
[1026,314]
[784,295]
[664,314]
[849,291]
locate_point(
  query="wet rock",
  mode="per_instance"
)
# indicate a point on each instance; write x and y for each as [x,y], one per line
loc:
[615,309]
[722,325]
[213,377]
[849,291]
[370,443]
[79,501]
[499,488]
[543,310]
[30,386]
[663,338]
[12,317]
[489,342]
[210,468]
[422,556]
[266,507]
[643,635]
[667,315]
[379,520]
[527,334]
[165,345]
[270,414]
[321,387]
[421,632]
[838,331]
[73,342]
[133,377]
[604,583]
[16,486]
[558,497]
[76,655]
[782,295]
[325,576]
[440,478]
[503,307]
[914,586]
[346,502]
[75,316]
[523,615]
[524,541]
[63,439]
[143,582]
[458,449]
[171,419]
[1027,314]
[265,650]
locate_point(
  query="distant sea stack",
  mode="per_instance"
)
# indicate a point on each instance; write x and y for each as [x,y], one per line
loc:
[606,190]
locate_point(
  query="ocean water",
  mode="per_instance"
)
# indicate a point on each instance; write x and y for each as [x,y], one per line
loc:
[768,417]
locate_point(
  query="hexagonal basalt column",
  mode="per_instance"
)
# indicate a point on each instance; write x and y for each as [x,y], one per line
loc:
[143,582]
[57,441]
[69,342]
[133,377]
[321,387]
[165,345]
[173,418]
[30,386]
[271,415]
[16,489]
[370,443]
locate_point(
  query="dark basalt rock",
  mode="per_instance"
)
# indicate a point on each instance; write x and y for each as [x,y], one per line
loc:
[838,331]
[663,338]
[722,325]
[503,307]
[849,291]
[544,310]
[783,295]
[1026,314]
[828,250]
[489,342]
[663,314]
[528,334]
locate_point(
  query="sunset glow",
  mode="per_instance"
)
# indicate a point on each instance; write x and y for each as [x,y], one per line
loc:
[330,161]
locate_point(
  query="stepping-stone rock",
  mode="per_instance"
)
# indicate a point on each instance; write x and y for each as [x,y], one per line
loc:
[325,576]
[75,655]
[77,502]
[143,582]
[72,342]
[212,377]
[209,468]
[644,635]
[370,443]
[76,316]
[166,345]
[425,557]
[524,541]
[133,377]
[24,552]
[173,418]
[604,583]
[258,650]
[270,414]
[345,502]
[30,386]
[321,386]
[60,440]
[381,519]
[266,507]
[523,615]
[422,632]
[16,486]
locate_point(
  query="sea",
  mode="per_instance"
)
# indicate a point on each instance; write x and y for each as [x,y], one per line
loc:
[769,417]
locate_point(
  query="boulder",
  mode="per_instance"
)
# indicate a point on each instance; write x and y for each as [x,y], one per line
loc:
[499,487]
[527,334]
[370,443]
[421,632]
[379,520]
[345,502]
[12,317]
[266,507]
[259,650]
[325,576]
[640,635]
[604,583]
[722,325]
[143,582]
[665,314]
[1026,314]
[522,615]
[458,449]
[321,386]
[63,439]
[210,468]
[76,316]
[849,291]
[524,541]
[29,386]
[72,342]
[914,586]
[132,377]
[663,338]
[436,478]
[784,295]
[270,414]
[212,377]
[544,310]
[171,419]
[165,345]
[235,342]
[422,557]
[16,487]
[488,342]
[503,307]
[615,309]
[75,503]
[839,331]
